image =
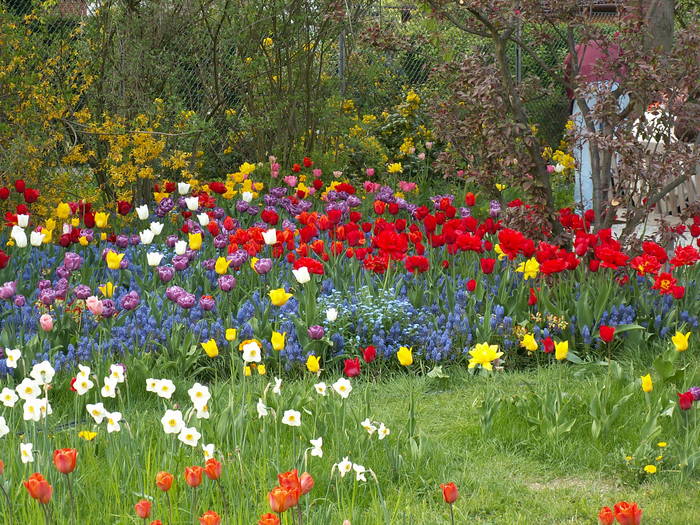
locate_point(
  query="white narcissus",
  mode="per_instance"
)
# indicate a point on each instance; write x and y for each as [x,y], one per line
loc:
[116,372]
[113,419]
[251,352]
[166,388]
[342,387]
[321,388]
[82,384]
[383,431]
[172,422]
[317,447]
[42,373]
[4,429]
[35,409]
[199,395]
[109,387]
[277,389]
[8,397]
[344,467]
[368,426]
[262,409]
[97,411]
[189,436]
[25,453]
[208,451]
[13,357]
[28,389]
[292,418]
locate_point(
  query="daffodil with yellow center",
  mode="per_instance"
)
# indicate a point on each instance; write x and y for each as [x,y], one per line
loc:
[114,260]
[529,268]
[484,354]
[279,296]
[87,435]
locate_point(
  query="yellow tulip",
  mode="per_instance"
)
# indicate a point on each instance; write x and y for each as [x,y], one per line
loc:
[195,241]
[107,289]
[279,297]
[313,364]
[680,341]
[211,348]
[62,211]
[561,350]
[405,356]
[262,370]
[101,219]
[647,384]
[75,222]
[114,260]
[277,340]
[252,262]
[231,334]
[47,235]
[500,187]
[83,240]
[528,342]
[246,371]
[529,268]
[221,266]
[50,224]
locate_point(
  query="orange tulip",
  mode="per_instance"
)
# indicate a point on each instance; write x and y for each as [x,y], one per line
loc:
[156,522]
[164,481]
[143,508]
[2,467]
[306,482]
[209,518]
[193,475]
[64,459]
[290,482]
[212,469]
[269,519]
[606,516]
[628,513]
[449,492]
[281,499]
[39,488]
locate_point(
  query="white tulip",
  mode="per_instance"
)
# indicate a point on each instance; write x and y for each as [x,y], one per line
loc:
[147,236]
[36,238]
[142,212]
[154,258]
[19,236]
[192,203]
[270,236]
[203,219]
[302,275]
[183,188]
[180,247]
[156,228]
[22,220]
[331,315]
[247,196]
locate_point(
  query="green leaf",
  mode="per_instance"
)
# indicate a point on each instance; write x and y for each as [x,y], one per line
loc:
[437,372]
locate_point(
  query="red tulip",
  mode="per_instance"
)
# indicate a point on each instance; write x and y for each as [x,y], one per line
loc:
[143,508]
[269,519]
[31,195]
[607,333]
[628,513]
[212,469]
[4,259]
[471,285]
[123,207]
[4,193]
[487,265]
[352,367]
[193,475]
[38,488]
[449,492]
[156,522]
[2,467]
[64,459]
[209,518]
[548,345]
[369,354]
[307,483]
[20,186]
[685,400]
[470,199]
[164,481]
[532,298]
[606,516]
[678,292]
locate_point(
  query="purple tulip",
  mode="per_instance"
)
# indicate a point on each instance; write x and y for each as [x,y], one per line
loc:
[207,303]
[20,300]
[47,296]
[227,283]
[316,332]
[82,292]
[135,239]
[72,261]
[695,390]
[173,292]
[180,262]
[43,284]
[209,264]
[262,266]
[166,273]
[171,240]
[108,309]
[186,300]
[220,241]
[63,272]
[238,258]
[130,300]
[122,241]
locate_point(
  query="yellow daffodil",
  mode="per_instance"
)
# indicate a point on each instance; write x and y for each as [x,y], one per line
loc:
[195,241]
[528,342]
[313,364]
[500,187]
[394,167]
[107,289]
[647,384]
[277,340]
[561,350]
[662,444]
[405,356]
[231,334]
[101,219]
[484,354]
[87,435]
[211,348]
[529,268]
[221,266]
[114,260]
[279,296]
[499,252]
[63,211]
[680,341]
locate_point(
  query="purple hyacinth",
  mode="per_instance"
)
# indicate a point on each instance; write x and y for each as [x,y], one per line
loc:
[130,300]
[207,303]
[227,283]
[316,331]
[166,273]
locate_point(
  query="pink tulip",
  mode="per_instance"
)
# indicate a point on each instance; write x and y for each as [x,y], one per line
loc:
[46,322]
[94,305]
[370,172]
[290,180]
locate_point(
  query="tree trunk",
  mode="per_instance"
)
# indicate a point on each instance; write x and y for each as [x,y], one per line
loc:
[661,24]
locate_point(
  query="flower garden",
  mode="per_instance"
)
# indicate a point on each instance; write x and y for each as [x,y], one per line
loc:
[403,316]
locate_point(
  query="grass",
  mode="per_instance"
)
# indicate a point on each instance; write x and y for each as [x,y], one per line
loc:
[514,474]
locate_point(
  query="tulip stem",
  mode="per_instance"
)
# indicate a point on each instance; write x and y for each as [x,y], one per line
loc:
[72,499]
[9,504]
[170,506]
[223,499]
[452,515]
[47,515]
